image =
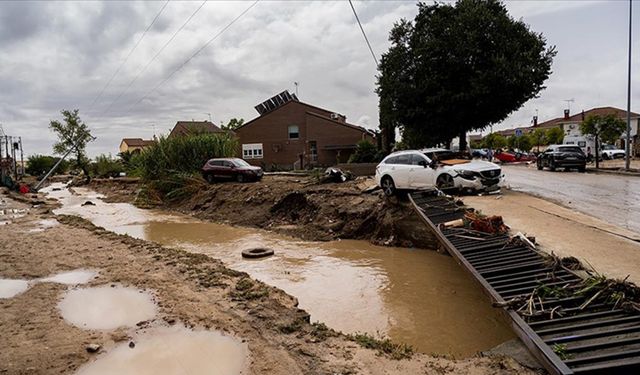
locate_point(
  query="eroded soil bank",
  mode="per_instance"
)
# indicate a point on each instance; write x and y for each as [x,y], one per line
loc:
[292,205]
[190,289]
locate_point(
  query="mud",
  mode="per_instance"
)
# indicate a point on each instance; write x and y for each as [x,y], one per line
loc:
[173,350]
[293,205]
[106,307]
[190,289]
[417,297]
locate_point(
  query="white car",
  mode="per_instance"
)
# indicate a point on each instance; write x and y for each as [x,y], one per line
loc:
[612,152]
[436,167]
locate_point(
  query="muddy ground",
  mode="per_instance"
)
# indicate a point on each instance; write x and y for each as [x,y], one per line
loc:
[293,205]
[189,288]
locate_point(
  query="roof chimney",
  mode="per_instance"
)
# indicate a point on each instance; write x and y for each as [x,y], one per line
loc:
[535,120]
[566,114]
[583,115]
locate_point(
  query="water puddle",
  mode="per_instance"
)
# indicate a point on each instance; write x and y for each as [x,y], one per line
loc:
[173,350]
[417,297]
[44,224]
[74,277]
[106,307]
[12,287]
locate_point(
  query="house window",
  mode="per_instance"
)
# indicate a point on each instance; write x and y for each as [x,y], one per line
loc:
[252,151]
[294,132]
[313,150]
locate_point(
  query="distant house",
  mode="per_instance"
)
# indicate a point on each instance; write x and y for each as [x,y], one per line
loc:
[194,127]
[134,145]
[570,125]
[291,134]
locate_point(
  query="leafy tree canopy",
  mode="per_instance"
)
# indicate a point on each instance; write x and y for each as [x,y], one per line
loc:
[73,134]
[494,141]
[458,68]
[232,124]
[607,128]
[554,136]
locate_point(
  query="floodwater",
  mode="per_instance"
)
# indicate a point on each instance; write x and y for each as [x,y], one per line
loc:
[106,307]
[12,287]
[418,297]
[612,198]
[74,277]
[173,350]
[44,225]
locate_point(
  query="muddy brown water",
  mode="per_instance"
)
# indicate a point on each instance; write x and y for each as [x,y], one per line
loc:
[418,297]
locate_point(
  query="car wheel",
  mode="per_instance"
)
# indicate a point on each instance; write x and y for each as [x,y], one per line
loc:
[582,169]
[552,166]
[445,182]
[209,177]
[239,178]
[540,166]
[605,156]
[388,187]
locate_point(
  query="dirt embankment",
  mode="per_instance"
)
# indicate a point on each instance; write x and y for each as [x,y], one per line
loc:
[296,206]
[190,289]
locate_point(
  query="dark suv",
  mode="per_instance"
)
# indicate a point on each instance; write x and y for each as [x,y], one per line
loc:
[562,156]
[230,169]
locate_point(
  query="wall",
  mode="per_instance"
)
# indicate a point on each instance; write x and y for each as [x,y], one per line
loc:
[314,124]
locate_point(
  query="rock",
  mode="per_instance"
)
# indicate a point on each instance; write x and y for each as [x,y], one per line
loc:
[132,344]
[93,348]
[88,203]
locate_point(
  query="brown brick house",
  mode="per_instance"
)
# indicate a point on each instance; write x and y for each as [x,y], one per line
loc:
[188,127]
[293,134]
[135,145]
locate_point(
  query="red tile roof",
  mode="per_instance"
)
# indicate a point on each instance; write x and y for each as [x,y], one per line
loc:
[187,127]
[138,142]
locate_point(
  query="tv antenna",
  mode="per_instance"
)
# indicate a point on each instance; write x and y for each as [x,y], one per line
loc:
[569,101]
[296,85]
[207,113]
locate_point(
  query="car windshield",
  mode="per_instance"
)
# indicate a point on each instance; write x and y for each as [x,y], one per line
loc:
[609,147]
[569,149]
[241,163]
[441,155]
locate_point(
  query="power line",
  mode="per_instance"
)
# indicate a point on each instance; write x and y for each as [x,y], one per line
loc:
[194,55]
[363,33]
[128,55]
[153,58]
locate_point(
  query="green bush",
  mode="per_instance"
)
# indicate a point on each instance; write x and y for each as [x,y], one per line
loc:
[38,165]
[106,166]
[185,154]
[366,152]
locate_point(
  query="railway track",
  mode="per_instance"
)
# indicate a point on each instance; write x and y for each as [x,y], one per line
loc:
[569,334]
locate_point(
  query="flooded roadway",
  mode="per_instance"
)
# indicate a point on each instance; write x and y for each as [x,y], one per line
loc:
[608,197]
[414,296]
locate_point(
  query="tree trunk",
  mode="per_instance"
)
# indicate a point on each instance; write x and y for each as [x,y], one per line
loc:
[463,141]
[597,153]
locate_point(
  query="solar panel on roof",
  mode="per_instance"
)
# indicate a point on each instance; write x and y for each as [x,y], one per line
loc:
[275,102]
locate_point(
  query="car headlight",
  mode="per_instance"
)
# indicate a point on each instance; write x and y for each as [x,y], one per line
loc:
[468,175]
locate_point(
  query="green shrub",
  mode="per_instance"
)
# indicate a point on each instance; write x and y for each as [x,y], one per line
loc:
[184,154]
[38,165]
[106,166]
[366,152]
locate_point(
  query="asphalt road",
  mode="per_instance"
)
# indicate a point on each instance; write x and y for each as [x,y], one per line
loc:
[612,198]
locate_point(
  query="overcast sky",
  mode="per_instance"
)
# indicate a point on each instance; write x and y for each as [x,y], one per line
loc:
[60,55]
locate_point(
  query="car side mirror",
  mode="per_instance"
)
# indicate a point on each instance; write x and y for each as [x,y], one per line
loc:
[433,164]
[423,163]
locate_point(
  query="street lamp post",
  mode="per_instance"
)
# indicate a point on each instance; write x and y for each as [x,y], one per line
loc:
[627,162]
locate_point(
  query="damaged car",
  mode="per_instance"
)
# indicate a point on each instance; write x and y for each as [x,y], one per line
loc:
[436,167]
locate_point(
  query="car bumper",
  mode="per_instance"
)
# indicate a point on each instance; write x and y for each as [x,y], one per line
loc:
[479,184]
[570,163]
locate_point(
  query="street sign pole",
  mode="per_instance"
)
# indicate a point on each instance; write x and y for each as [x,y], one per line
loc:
[627,162]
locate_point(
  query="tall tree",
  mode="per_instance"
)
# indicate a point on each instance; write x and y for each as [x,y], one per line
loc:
[554,136]
[607,128]
[538,138]
[232,124]
[458,68]
[73,135]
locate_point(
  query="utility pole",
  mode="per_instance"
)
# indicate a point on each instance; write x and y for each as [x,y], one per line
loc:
[296,85]
[627,162]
